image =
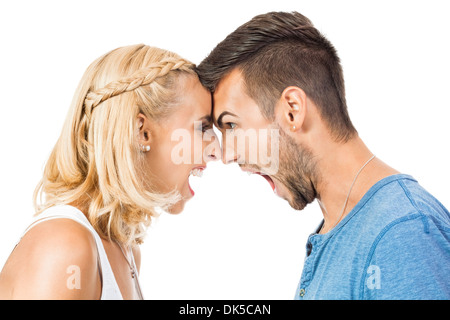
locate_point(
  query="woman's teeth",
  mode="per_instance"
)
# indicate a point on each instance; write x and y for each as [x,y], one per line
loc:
[197,172]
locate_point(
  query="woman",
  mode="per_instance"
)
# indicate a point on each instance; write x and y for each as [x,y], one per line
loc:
[111,169]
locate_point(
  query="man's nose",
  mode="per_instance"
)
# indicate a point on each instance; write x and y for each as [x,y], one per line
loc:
[229,155]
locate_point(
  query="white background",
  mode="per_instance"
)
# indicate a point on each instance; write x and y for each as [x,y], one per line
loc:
[235,239]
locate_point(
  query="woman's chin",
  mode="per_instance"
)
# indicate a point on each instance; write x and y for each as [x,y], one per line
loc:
[186,193]
[177,207]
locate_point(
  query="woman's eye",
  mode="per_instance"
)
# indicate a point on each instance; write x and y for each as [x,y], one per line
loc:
[206,127]
[232,125]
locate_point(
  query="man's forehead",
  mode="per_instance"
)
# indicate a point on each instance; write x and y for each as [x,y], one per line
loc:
[229,91]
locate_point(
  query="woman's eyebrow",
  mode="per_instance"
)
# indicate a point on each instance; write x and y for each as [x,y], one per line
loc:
[223,114]
[206,118]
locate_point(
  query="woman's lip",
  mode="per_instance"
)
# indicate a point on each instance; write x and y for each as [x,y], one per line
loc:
[201,168]
[190,189]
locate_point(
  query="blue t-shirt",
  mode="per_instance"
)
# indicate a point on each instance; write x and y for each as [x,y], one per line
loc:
[394,244]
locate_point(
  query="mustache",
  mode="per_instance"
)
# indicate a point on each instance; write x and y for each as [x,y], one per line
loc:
[267,170]
[249,166]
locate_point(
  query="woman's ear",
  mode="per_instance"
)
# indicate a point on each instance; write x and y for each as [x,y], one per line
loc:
[144,136]
[291,109]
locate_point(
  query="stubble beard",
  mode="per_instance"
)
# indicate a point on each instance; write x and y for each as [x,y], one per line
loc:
[297,171]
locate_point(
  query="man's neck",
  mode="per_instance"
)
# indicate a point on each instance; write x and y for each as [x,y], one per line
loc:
[338,165]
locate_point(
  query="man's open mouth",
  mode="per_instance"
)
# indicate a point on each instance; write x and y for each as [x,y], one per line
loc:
[268,178]
[265,176]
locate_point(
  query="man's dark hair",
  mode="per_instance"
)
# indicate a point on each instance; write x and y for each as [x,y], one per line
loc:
[280,49]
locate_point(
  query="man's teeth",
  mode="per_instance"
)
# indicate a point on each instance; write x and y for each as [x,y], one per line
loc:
[197,172]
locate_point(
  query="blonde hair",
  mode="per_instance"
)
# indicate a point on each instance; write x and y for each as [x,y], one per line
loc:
[96,161]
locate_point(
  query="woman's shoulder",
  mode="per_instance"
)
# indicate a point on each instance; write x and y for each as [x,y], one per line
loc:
[56,259]
[63,236]
[137,257]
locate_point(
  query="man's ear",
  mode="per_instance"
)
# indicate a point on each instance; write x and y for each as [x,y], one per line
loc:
[290,110]
[144,136]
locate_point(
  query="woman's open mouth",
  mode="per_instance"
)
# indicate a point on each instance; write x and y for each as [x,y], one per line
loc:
[196,172]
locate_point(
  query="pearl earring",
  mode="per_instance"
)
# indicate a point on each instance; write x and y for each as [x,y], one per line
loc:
[145,148]
[293,128]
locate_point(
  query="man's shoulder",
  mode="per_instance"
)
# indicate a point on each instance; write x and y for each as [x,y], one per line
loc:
[401,199]
[400,207]
[426,204]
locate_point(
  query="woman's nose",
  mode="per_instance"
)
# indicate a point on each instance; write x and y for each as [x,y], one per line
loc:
[213,150]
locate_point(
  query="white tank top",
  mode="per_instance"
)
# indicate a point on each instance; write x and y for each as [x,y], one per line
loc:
[110,289]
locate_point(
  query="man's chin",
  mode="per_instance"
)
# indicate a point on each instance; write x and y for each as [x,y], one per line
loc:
[297,205]
[297,201]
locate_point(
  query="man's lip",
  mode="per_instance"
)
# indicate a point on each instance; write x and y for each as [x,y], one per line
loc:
[262,174]
[250,170]
[269,180]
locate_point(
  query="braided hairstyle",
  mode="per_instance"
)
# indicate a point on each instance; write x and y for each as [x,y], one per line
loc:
[142,77]
[96,162]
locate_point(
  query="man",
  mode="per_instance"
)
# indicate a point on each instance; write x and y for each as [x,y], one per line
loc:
[383,236]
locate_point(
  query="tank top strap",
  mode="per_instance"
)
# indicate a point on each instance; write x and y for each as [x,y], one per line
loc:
[110,289]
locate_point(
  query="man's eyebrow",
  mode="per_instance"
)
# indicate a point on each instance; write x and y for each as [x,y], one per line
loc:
[223,114]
